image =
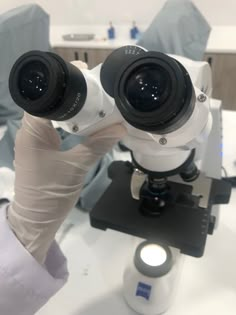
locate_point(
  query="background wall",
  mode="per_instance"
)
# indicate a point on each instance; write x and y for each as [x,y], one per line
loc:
[66,12]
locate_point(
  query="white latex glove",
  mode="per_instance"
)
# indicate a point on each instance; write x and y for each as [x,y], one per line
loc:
[48,181]
[79,64]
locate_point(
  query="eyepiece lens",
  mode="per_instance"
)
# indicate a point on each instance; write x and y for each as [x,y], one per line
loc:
[148,87]
[33,80]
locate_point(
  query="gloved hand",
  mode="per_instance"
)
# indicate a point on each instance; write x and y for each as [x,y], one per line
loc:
[48,181]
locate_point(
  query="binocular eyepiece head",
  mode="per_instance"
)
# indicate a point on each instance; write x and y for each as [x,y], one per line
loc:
[152,91]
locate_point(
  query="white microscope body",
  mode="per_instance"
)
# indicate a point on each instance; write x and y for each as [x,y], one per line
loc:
[156,152]
[172,129]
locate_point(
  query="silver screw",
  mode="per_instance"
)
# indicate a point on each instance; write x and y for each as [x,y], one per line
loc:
[163,141]
[75,128]
[202,98]
[102,114]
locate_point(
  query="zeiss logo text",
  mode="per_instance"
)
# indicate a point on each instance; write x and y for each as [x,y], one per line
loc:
[143,290]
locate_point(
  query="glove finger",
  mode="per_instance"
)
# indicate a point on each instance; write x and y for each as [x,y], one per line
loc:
[83,156]
[37,133]
[104,139]
[79,64]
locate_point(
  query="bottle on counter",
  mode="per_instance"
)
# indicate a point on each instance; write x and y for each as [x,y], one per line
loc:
[111,31]
[134,32]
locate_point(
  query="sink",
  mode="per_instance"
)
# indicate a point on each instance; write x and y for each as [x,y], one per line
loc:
[78,37]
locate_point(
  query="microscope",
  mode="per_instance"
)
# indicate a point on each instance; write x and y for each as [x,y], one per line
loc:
[169,194]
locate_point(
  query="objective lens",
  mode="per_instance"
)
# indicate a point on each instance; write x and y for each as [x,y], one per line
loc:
[33,80]
[147,88]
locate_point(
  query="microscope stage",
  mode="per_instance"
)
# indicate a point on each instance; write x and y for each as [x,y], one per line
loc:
[181,224]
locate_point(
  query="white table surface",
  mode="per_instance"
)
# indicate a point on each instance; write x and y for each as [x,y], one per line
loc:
[221,40]
[97,259]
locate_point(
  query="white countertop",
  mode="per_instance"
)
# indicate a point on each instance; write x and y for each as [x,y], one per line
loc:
[95,44]
[96,262]
[221,40]
[100,42]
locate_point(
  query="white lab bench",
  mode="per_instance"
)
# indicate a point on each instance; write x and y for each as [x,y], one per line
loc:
[97,259]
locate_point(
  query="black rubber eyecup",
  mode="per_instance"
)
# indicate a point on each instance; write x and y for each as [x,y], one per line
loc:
[56,80]
[65,93]
[176,107]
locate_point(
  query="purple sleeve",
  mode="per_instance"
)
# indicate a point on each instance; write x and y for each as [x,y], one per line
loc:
[25,285]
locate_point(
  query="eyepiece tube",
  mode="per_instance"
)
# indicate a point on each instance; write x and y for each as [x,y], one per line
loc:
[44,85]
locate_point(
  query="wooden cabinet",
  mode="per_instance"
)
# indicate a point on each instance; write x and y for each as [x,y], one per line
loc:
[224,78]
[92,56]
